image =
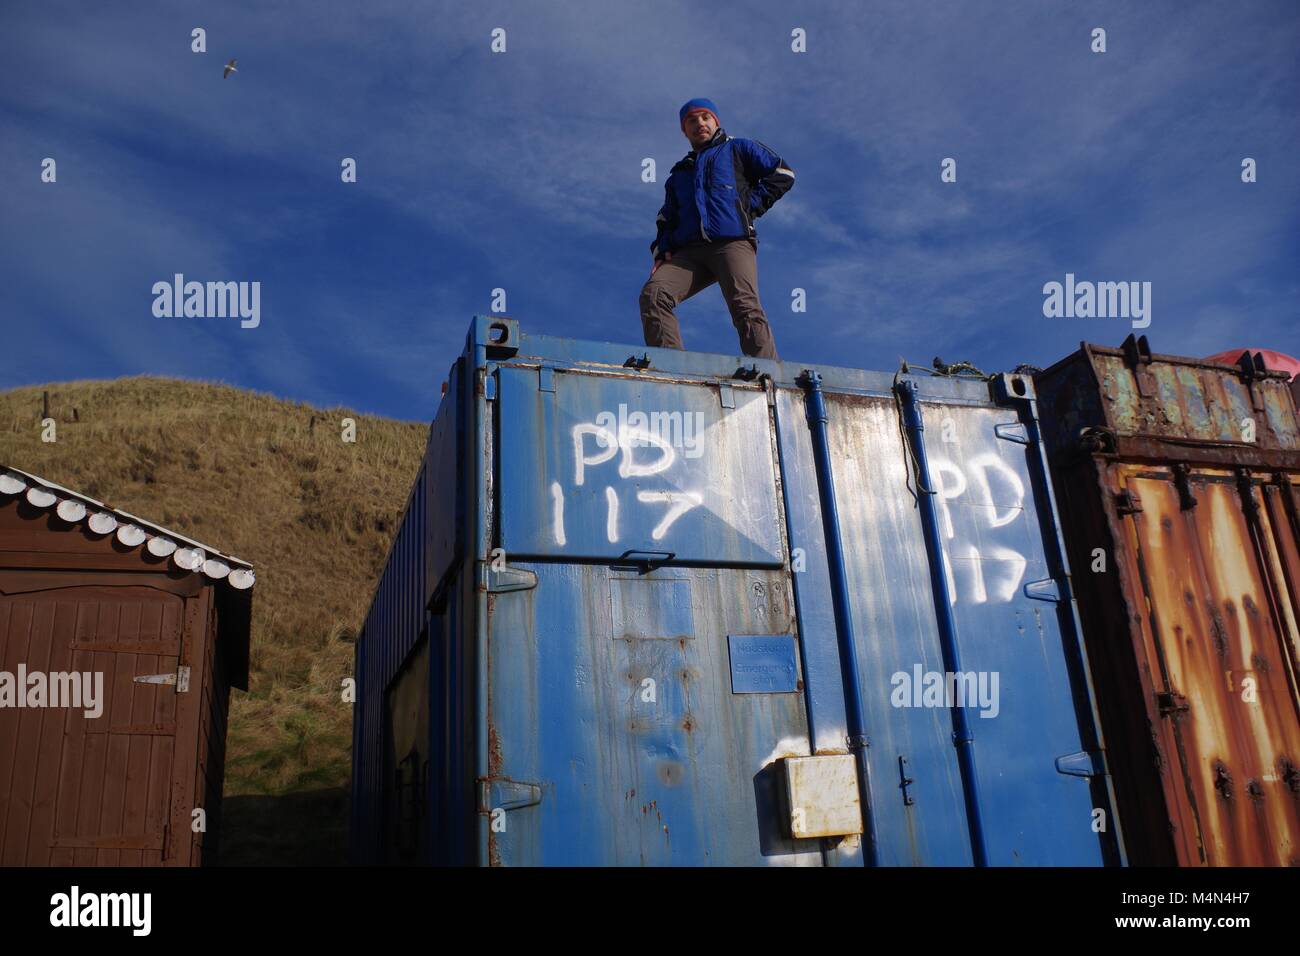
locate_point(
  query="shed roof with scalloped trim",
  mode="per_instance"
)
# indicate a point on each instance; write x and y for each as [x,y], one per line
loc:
[101,520]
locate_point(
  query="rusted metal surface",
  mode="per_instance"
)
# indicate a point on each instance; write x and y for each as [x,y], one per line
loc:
[1187,572]
[1282,497]
[1218,667]
[1152,406]
[117,787]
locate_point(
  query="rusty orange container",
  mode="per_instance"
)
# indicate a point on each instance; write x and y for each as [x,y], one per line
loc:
[1179,488]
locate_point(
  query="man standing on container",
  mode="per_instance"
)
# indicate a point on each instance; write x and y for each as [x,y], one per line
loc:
[706,230]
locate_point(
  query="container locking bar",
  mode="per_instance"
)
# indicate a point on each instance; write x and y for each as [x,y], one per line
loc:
[1137,356]
[905,781]
[815,409]
[962,737]
[1252,368]
[1183,483]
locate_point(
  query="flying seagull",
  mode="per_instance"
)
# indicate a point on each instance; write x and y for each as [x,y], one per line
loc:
[230,68]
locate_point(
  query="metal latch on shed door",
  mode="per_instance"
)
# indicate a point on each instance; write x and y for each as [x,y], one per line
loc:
[181,679]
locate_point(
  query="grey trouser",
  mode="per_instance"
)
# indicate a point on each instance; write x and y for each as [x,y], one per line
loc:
[733,264]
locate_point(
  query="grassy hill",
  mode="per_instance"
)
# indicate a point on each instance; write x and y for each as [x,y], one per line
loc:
[272,482]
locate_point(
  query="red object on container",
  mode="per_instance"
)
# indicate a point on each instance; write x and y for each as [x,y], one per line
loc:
[1272,360]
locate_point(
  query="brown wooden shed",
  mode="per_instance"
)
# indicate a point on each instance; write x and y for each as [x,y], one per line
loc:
[119,643]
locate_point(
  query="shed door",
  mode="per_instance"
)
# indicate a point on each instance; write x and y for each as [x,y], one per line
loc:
[1213,647]
[86,789]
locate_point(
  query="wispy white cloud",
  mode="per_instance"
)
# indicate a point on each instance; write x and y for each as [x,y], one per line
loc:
[523,171]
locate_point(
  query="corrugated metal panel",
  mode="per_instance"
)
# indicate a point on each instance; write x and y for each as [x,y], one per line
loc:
[1218,668]
[611,651]
[1191,601]
[1150,406]
[392,626]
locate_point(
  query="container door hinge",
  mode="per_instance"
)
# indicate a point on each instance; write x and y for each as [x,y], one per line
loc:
[545,378]
[1012,431]
[181,679]
[726,396]
[496,581]
[490,387]
[1085,763]
[1171,702]
[1127,503]
[1044,590]
[498,793]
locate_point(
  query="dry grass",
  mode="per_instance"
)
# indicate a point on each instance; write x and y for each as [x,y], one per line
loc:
[248,474]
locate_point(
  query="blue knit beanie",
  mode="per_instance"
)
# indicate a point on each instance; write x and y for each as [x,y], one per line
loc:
[697,104]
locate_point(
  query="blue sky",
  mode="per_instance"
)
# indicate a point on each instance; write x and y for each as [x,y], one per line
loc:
[523,171]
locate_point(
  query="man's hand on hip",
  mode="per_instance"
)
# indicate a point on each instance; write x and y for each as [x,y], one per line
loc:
[668,257]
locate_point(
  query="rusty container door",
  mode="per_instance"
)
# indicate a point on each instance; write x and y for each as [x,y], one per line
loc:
[1177,484]
[1282,498]
[117,787]
[1215,647]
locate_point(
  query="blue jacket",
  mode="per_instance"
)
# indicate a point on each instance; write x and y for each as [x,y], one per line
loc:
[718,192]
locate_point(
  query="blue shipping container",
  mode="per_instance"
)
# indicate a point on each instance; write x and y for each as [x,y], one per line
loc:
[650,607]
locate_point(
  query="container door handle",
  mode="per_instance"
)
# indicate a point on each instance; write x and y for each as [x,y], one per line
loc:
[643,560]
